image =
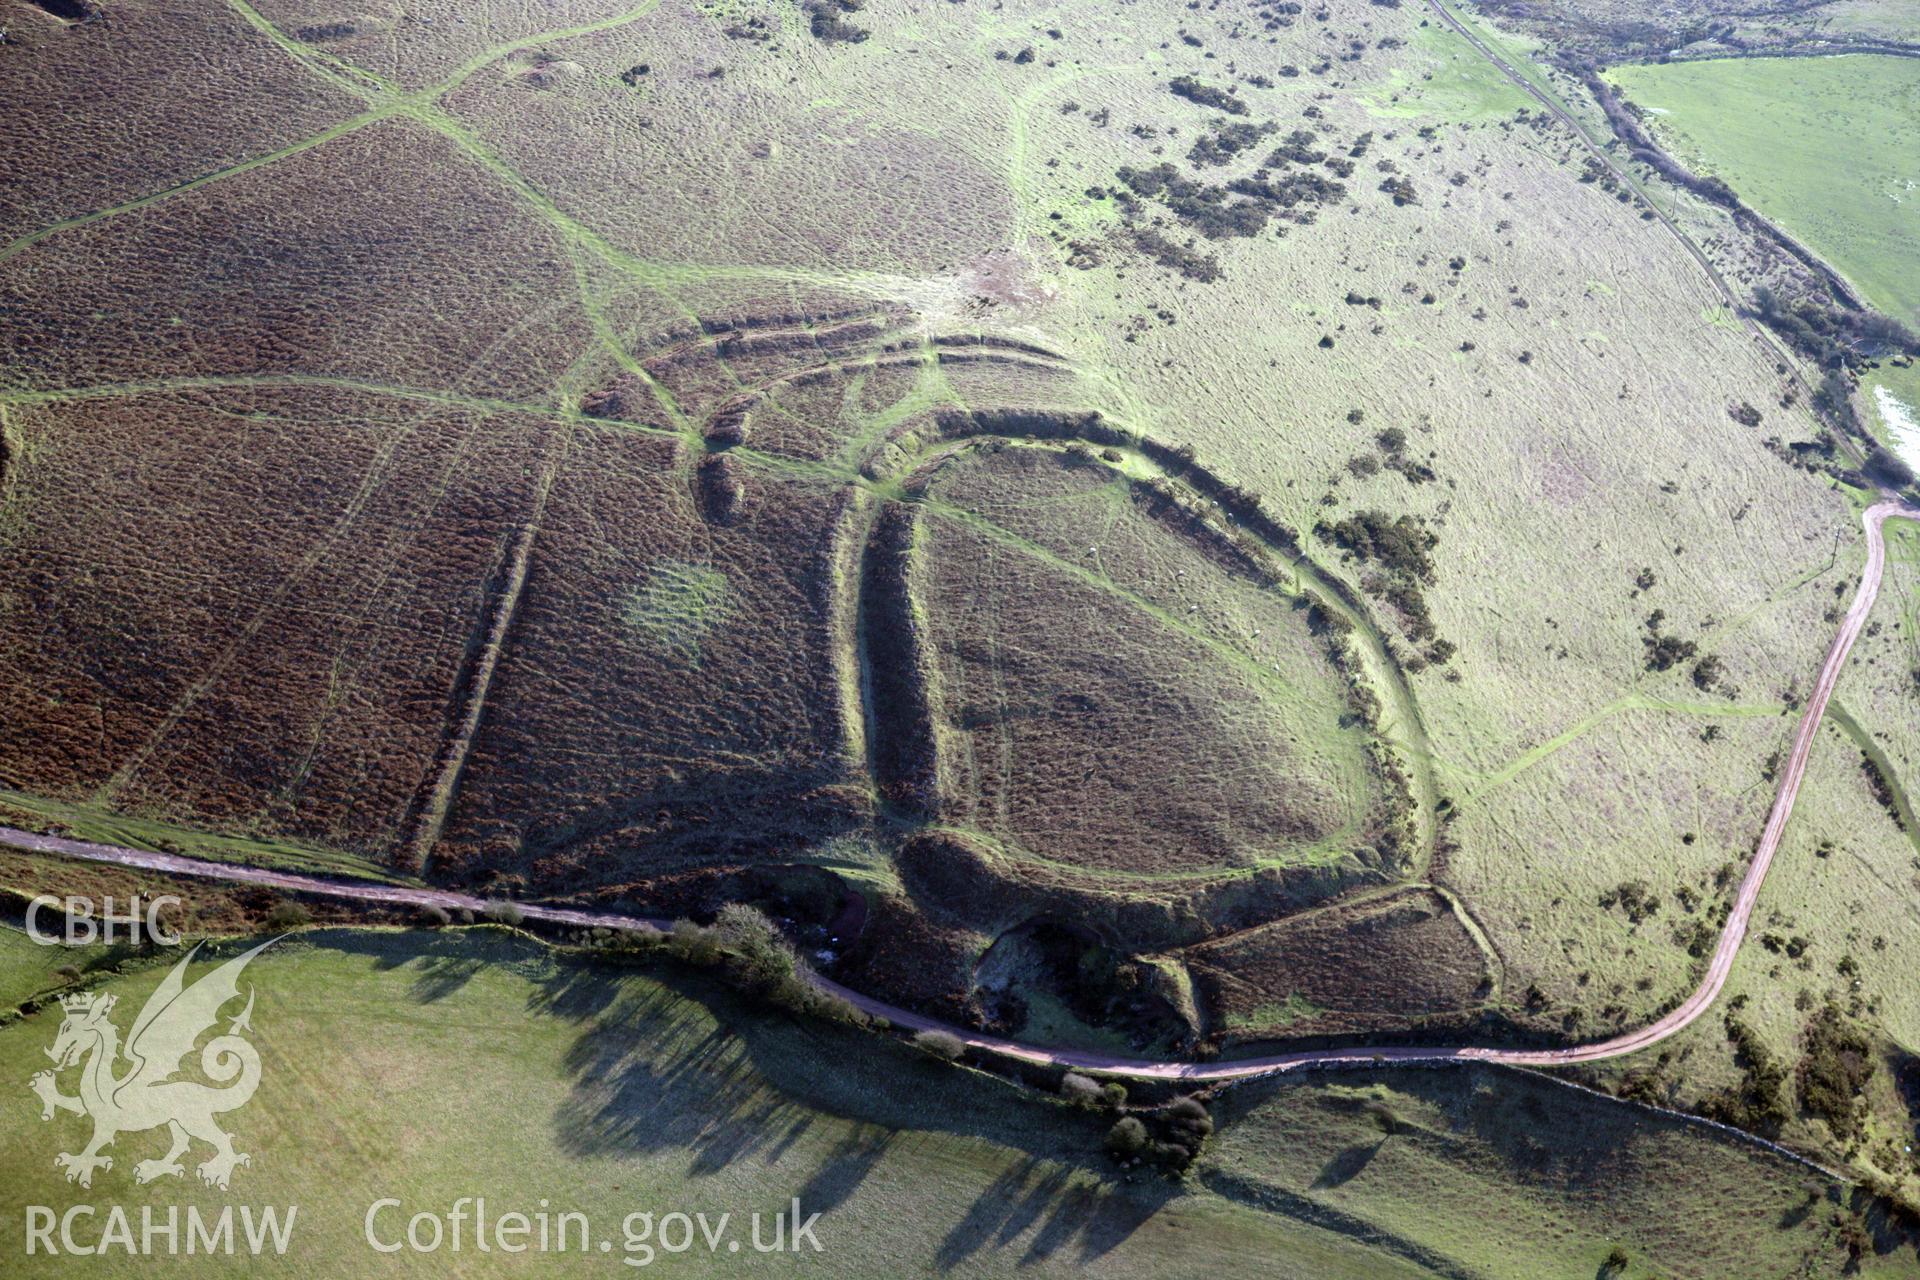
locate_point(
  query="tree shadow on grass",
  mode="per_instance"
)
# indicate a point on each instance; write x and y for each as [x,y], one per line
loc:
[649,1075]
[442,976]
[846,1167]
[575,991]
[1799,1213]
[653,1072]
[795,1131]
[1100,1218]
[442,963]
[668,1060]
[1058,1207]
[1004,1210]
[1347,1165]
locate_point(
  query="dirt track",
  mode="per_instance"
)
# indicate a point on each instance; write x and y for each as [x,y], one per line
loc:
[1689,1009]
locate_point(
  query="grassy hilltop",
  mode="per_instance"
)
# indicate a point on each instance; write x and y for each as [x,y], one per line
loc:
[1160,527]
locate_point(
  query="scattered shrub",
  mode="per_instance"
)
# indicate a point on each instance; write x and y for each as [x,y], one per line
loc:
[1077,1088]
[320,32]
[1401,190]
[1206,95]
[1885,468]
[693,944]
[1833,1073]
[1187,1126]
[943,1045]
[1664,652]
[1203,268]
[1299,147]
[1401,543]
[1127,1138]
[1882,789]
[1228,139]
[288,915]
[1635,898]
[758,955]
[826,19]
[1755,1103]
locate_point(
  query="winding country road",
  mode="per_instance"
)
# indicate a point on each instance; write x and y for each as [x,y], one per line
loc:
[1683,1014]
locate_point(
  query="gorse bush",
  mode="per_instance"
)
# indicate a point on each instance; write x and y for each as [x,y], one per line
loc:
[757,954]
[1401,543]
[1833,1073]
[1127,1138]
[827,21]
[1075,1087]
[693,944]
[1755,1103]
[288,915]
[1207,96]
[943,1045]
[754,957]
[1227,140]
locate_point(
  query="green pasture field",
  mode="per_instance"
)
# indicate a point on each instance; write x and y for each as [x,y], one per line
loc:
[1822,146]
[1892,409]
[612,1091]
[1445,76]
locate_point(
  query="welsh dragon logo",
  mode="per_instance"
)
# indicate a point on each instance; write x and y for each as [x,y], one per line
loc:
[145,1095]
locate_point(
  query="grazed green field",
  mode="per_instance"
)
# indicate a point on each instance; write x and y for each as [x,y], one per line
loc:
[1497,1174]
[612,1092]
[28,969]
[1823,146]
[1447,78]
[426,1068]
[1892,398]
